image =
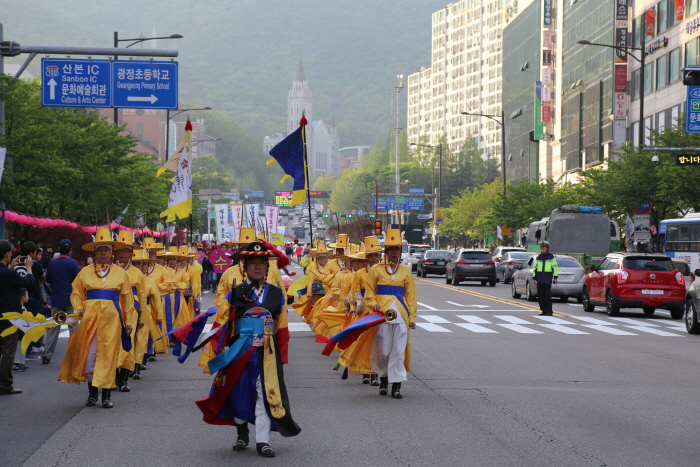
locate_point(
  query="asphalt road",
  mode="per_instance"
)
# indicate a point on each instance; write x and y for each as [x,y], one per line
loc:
[492,384]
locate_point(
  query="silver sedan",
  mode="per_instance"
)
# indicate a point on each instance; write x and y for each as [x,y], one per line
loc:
[568,285]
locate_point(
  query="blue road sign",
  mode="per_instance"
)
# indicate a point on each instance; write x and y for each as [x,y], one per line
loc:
[144,84]
[692,111]
[399,202]
[75,83]
[439,222]
[256,194]
[360,212]
[425,216]
[417,191]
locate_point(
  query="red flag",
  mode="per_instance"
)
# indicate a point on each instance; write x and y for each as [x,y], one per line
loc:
[651,23]
[680,9]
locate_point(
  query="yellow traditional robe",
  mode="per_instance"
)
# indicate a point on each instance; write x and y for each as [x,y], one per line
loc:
[333,318]
[182,282]
[100,319]
[126,359]
[196,284]
[356,357]
[161,276]
[303,305]
[359,285]
[151,311]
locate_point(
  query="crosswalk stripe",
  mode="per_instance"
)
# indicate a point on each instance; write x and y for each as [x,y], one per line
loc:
[609,330]
[635,322]
[475,328]
[435,319]
[473,319]
[427,306]
[513,319]
[296,327]
[594,321]
[658,332]
[553,320]
[560,328]
[453,303]
[430,327]
[520,329]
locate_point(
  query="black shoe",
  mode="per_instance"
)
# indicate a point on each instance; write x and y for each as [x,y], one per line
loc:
[543,314]
[141,367]
[45,360]
[243,439]
[137,375]
[106,399]
[265,450]
[374,380]
[365,379]
[124,388]
[396,391]
[383,385]
[93,397]
[151,358]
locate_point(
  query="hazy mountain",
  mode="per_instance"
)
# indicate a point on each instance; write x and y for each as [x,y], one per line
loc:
[240,56]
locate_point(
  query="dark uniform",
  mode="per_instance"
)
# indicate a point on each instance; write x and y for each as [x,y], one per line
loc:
[544,270]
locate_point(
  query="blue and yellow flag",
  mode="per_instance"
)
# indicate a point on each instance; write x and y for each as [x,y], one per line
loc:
[289,153]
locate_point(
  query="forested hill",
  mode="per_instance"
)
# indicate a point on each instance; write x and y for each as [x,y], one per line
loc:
[240,56]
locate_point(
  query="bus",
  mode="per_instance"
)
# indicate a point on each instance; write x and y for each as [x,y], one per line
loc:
[680,238]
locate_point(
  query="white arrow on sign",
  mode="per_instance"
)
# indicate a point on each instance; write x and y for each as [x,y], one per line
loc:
[52,88]
[459,304]
[151,99]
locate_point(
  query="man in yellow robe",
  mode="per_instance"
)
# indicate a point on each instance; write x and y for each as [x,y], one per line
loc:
[151,313]
[386,349]
[102,297]
[319,275]
[123,256]
[181,284]
[161,275]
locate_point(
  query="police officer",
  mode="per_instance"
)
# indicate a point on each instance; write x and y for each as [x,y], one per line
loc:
[545,271]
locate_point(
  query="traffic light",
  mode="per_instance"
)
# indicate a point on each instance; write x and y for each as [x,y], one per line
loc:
[371,215]
[348,215]
[324,215]
[377,227]
[691,76]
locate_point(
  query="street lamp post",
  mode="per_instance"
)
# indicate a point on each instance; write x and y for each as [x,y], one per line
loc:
[439,193]
[167,127]
[641,61]
[503,140]
[135,41]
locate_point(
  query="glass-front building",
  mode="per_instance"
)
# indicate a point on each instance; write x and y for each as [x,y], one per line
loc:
[521,69]
[587,82]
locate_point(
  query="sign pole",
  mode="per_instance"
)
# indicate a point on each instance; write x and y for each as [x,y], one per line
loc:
[308,195]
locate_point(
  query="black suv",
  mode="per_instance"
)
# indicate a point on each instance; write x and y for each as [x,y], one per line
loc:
[471,265]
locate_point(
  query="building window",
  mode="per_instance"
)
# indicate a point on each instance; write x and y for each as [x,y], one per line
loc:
[638,31]
[674,65]
[691,52]
[647,130]
[635,84]
[661,72]
[662,16]
[661,121]
[648,76]
[691,7]
[320,161]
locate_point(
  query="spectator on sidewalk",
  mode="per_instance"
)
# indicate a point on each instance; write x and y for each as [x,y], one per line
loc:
[10,284]
[60,275]
[19,355]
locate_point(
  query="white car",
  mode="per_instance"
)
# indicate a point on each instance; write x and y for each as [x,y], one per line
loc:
[416,251]
[684,269]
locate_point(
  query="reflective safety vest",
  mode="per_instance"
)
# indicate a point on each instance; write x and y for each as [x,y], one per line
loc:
[547,266]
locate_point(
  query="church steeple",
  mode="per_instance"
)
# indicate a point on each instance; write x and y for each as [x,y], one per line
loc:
[300,71]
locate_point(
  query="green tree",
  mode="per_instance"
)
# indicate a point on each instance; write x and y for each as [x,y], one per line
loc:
[467,215]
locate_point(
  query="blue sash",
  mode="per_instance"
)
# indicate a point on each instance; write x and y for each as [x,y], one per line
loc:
[245,328]
[113,296]
[177,303]
[168,313]
[137,305]
[362,292]
[394,290]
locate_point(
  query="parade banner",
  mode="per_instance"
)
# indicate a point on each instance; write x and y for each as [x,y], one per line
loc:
[252,217]
[272,217]
[221,216]
[276,239]
[237,215]
[680,9]
[220,261]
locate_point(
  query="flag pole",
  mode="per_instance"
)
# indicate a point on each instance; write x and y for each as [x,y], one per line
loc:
[306,169]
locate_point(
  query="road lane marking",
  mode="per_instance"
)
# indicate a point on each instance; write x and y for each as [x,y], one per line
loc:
[560,328]
[520,329]
[435,319]
[595,321]
[609,329]
[475,306]
[553,319]
[296,327]
[427,306]
[476,328]
[430,327]
[658,332]
[635,322]
[473,319]
[513,319]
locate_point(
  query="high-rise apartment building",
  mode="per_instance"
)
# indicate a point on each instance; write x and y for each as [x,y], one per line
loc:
[464,76]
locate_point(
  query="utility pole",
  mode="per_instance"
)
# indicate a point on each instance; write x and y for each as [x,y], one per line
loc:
[398,84]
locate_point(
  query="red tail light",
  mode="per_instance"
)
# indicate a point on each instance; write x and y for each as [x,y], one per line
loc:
[490,262]
[622,276]
[428,262]
[513,263]
[461,261]
[679,278]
